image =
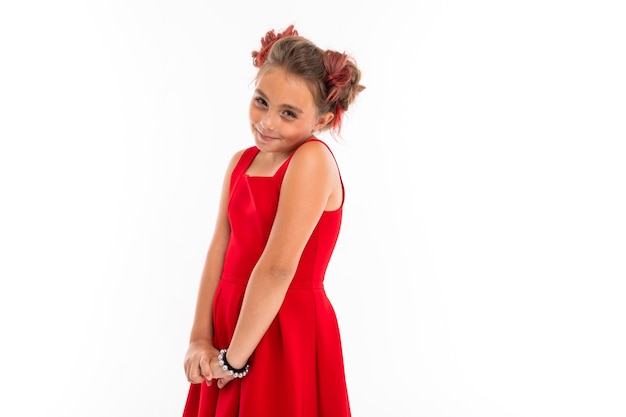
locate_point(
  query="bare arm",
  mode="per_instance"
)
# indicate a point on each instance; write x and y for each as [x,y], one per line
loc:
[201,339]
[305,192]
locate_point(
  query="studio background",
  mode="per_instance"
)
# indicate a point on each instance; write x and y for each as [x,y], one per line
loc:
[480,269]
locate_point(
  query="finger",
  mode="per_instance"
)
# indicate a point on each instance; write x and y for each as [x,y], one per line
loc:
[192,371]
[222,382]
[187,369]
[195,375]
[205,367]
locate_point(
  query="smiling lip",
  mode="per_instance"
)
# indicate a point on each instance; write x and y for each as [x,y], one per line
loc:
[264,137]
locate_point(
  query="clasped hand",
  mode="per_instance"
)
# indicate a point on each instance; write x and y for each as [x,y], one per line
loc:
[202,365]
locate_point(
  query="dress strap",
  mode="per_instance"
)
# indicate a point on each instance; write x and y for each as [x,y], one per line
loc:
[244,161]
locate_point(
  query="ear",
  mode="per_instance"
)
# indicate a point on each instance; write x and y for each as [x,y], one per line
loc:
[323,120]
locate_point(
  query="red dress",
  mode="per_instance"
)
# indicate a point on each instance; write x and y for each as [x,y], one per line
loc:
[297,369]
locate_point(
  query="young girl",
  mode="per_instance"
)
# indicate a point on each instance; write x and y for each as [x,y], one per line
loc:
[265,340]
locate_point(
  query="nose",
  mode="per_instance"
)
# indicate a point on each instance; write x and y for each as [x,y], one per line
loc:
[267,122]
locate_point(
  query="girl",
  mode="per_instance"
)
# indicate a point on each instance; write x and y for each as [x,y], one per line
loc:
[265,340]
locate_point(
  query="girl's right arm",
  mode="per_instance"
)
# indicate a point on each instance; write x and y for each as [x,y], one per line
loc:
[201,347]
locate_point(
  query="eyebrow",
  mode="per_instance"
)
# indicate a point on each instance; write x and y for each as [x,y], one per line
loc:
[284,106]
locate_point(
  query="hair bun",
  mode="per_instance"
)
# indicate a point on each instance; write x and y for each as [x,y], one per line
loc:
[339,74]
[342,83]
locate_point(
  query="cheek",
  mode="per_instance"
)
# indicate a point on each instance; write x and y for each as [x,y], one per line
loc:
[298,131]
[252,113]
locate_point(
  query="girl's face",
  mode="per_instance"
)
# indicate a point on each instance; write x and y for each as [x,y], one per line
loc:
[282,112]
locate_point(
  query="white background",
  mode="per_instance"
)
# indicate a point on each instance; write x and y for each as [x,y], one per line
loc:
[480,270]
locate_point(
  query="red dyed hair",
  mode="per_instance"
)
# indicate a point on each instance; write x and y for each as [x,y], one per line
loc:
[338,78]
[258,57]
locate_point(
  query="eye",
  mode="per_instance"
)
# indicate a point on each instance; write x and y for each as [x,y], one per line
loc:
[261,101]
[289,114]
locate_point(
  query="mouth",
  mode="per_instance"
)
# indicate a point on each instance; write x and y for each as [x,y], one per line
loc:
[265,138]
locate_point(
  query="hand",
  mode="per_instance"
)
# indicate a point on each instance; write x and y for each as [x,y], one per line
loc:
[198,360]
[219,373]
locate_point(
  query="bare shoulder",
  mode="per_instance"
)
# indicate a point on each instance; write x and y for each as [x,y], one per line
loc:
[234,160]
[237,156]
[313,155]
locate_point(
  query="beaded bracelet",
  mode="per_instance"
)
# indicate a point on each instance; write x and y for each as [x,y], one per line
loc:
[237,373]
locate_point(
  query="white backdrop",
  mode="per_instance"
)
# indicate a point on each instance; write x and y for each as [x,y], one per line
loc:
[480,270]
